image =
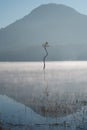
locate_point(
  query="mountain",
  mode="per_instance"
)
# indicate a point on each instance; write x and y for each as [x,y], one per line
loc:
[62,27]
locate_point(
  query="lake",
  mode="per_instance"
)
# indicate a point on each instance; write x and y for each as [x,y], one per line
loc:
[33,98]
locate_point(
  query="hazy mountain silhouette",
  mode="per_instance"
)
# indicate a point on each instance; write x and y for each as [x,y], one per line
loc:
[63,27]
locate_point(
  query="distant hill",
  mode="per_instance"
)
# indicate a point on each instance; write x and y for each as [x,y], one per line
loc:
[63,27]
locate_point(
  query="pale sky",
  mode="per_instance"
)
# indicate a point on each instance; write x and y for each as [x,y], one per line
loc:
[12,10]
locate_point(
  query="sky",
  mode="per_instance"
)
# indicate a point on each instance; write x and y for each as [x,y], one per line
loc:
[12,10]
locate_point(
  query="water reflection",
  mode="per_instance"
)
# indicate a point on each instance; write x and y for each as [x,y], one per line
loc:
[17,116]
[52,100]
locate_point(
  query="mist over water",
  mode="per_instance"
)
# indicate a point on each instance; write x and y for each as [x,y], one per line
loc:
[58,92]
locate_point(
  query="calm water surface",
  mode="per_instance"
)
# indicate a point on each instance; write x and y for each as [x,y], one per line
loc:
[31,98]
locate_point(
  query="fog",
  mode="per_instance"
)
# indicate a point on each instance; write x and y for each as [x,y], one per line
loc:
[62,27]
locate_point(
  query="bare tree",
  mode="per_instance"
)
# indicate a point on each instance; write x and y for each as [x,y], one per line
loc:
[45,45]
